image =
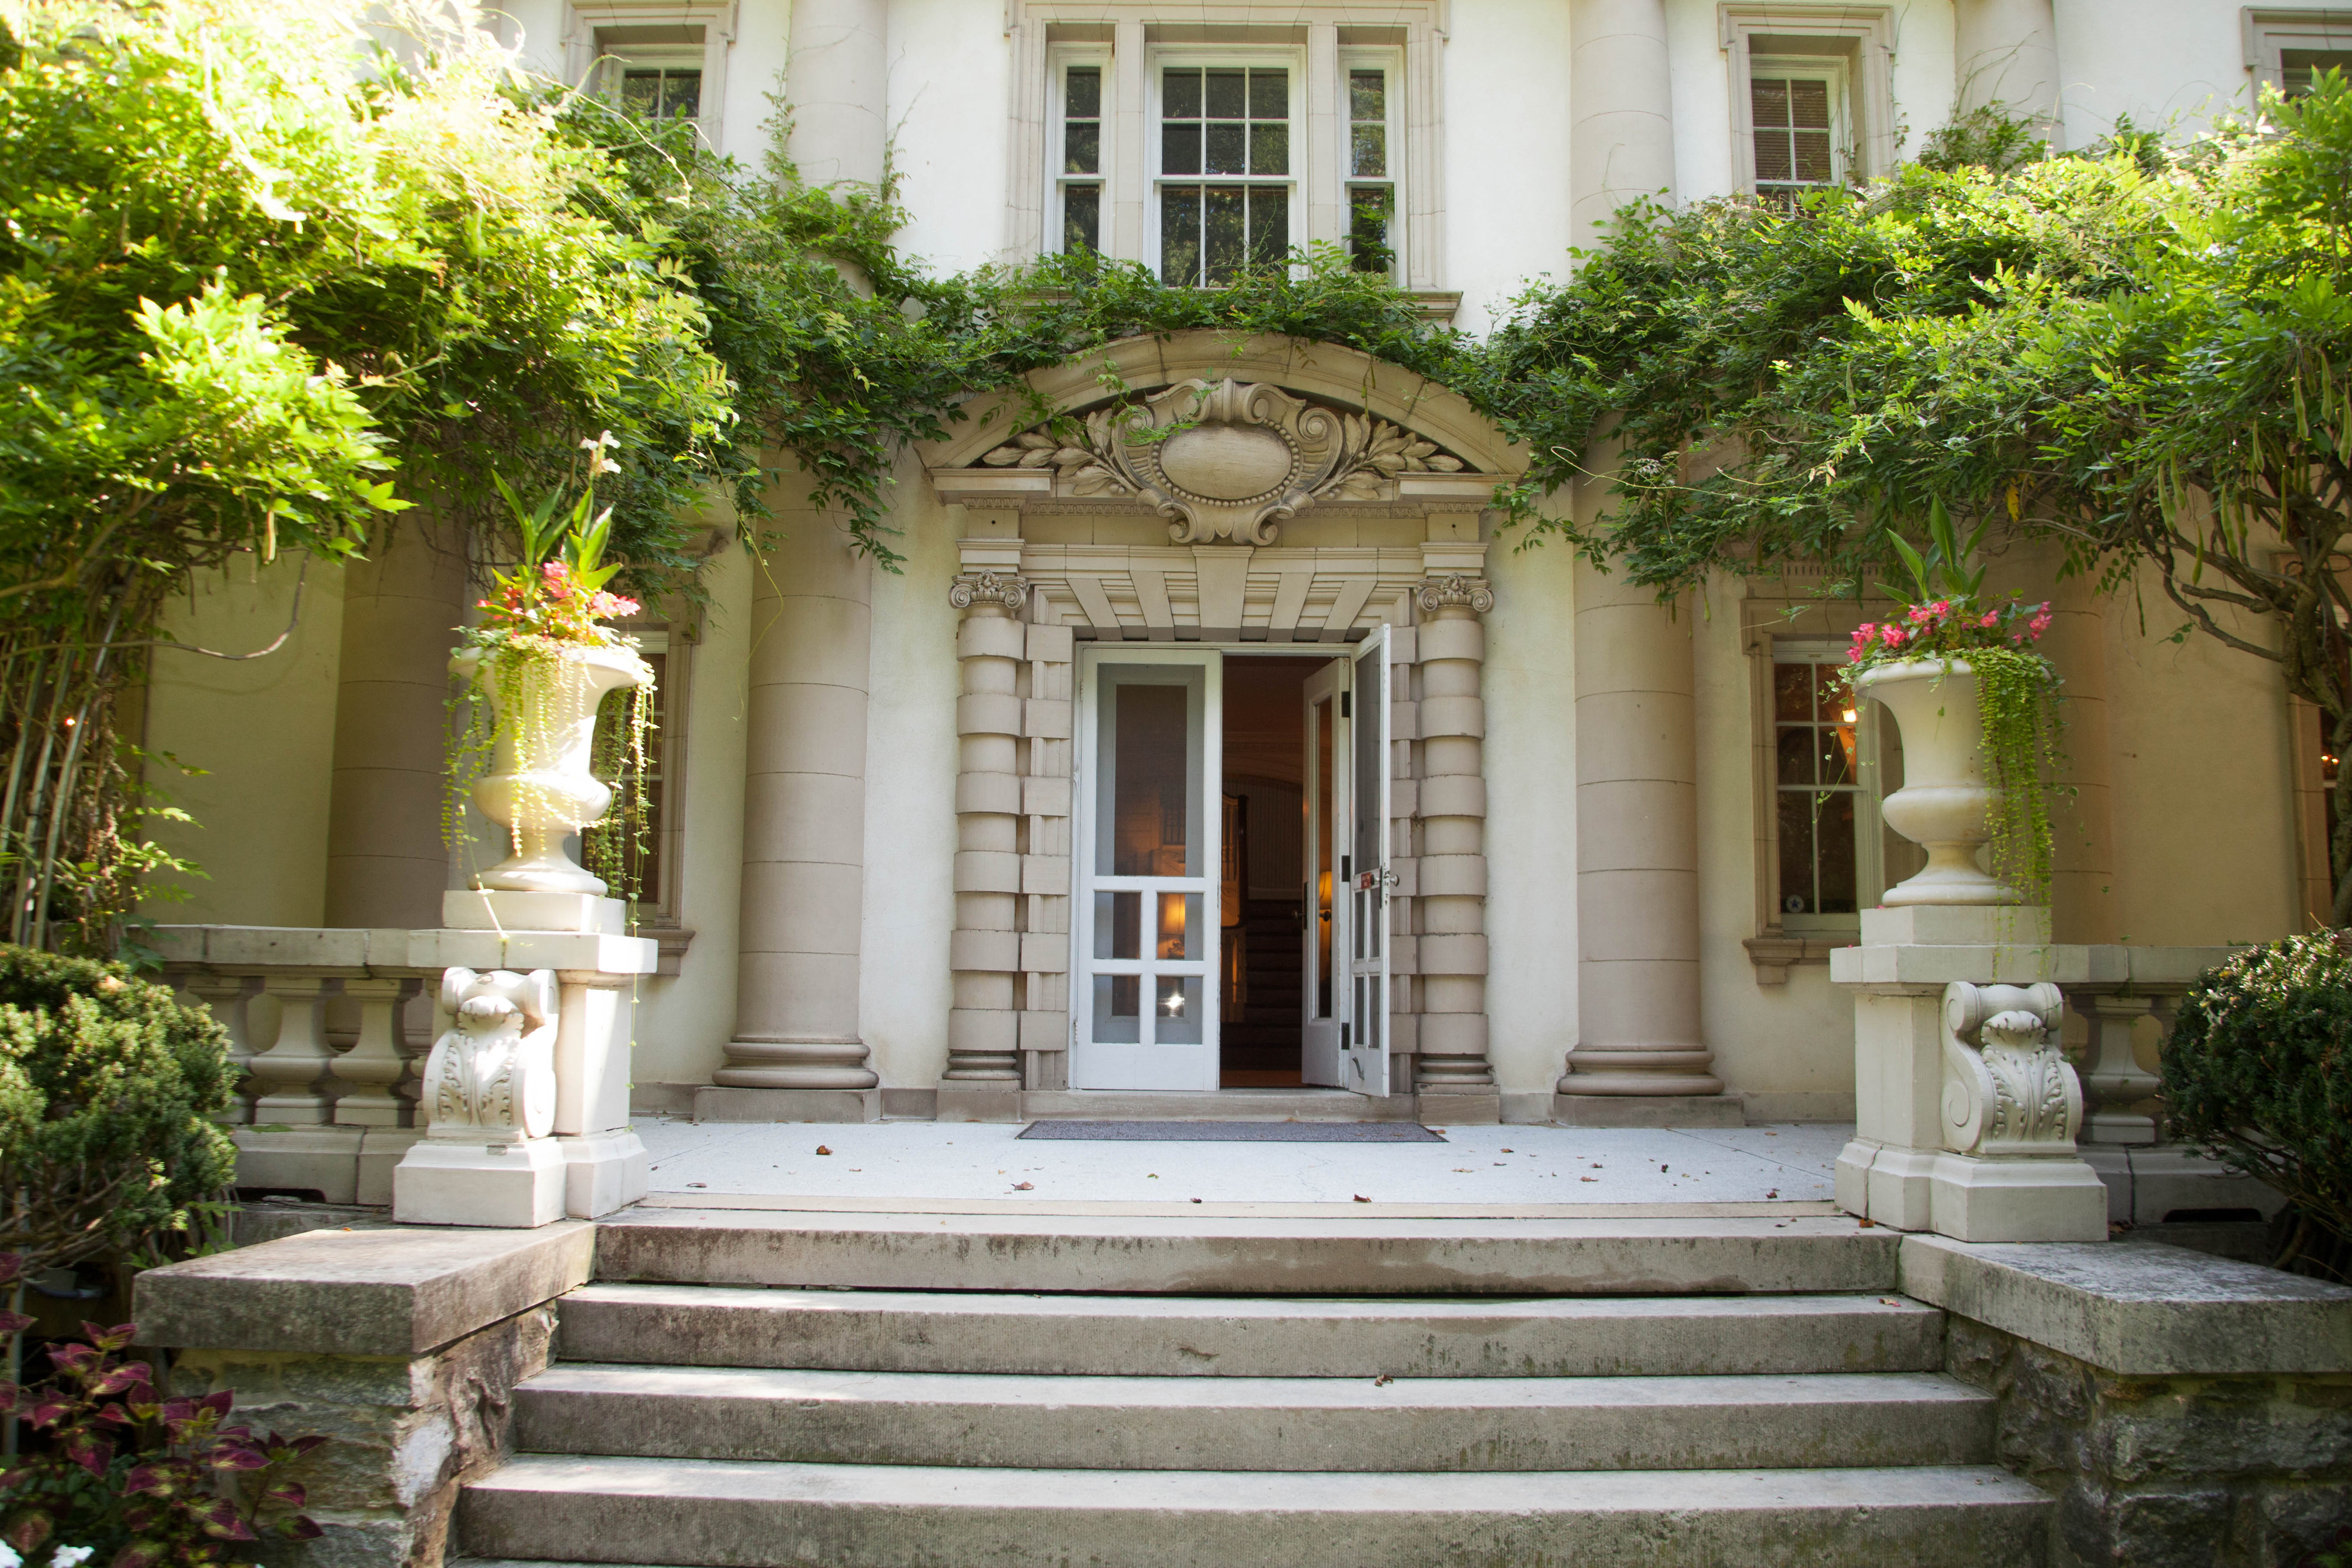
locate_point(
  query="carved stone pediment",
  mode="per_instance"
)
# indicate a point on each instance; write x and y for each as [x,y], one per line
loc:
[1226,460]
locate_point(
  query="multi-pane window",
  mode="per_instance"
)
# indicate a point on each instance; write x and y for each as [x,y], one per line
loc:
[1794,113]
[1821,785]
[1224,187]
[1371,174]
[2299,69]
[1082,157]
[660,92]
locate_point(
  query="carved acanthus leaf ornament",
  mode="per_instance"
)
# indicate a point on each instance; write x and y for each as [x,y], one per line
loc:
[1225,460]
[2008,1088]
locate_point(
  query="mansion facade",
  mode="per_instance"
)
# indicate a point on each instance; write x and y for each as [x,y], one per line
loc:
[1265,756]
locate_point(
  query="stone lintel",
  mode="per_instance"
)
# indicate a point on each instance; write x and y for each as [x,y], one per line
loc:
[398,1292]
[2140,1309]
[1910,964]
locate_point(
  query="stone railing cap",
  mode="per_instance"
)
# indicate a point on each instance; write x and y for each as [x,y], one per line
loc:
[393,1292]
[2141,1309]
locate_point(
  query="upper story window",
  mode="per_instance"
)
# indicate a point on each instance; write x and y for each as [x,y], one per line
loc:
[1080,122]
[1373,145]
[652,73]
[1812,95]
[2288,47]
[1200,149]
[1797,118]
[1225,181]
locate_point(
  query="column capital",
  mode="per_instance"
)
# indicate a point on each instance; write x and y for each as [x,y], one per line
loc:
[985,586]
[1454,589]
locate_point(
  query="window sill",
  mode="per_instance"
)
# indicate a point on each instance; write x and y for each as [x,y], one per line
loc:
[670,942]
[1774,954]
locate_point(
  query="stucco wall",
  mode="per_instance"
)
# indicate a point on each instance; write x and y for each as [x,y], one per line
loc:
[1506,82]
[262,729]
[2158,61]
[910,774]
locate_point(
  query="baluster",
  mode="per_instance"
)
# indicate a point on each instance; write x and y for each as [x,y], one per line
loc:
[291,1075]
[2114,1082]
[226,996]
[379,1060]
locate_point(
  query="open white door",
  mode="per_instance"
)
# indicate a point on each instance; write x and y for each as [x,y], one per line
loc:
[1323,965]
[1145,943]
[1364,1032]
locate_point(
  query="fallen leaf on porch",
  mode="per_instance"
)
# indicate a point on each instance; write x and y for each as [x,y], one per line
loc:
[1510,1151]
[822,1150]
[1025,1186]
[1774,1193]
[1383,1381]
[1890,1301]
[1865,1224]
[1196,1200]
[1461,1170]
[697,1184]
[1359,1199]
[1588,1178]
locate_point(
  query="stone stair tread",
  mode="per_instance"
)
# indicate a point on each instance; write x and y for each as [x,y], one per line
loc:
[989,1332]
[1276,1424]
[1705,1254]
[738,1513]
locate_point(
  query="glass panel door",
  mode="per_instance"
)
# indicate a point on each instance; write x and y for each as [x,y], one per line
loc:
[1146,997]
[1364,1035]
[1324,964]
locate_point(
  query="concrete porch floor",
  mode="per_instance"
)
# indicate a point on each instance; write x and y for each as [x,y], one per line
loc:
[961,1166]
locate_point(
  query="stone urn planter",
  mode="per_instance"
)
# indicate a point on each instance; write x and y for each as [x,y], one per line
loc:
[1945,804]
[542,787]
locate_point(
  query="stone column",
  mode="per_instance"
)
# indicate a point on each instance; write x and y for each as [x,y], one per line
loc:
[1622,131]
[837,84]
[796,1042]
[386,863]
[1640,1058]
[2009,56]
[983,1080]
[1450,1066]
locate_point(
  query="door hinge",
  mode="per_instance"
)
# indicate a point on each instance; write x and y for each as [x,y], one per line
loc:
[1347,868]
[1347,708]
[1343,1037]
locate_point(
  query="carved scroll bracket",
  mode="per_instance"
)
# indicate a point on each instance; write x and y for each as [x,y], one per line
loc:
[491,1076]
[2008,1089]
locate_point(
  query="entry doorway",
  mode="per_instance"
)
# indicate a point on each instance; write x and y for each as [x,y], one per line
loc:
[1231,868]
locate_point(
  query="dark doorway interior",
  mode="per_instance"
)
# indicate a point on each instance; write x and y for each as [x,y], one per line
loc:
[1264,741]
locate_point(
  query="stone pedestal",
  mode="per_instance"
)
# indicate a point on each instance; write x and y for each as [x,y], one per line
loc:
[1647,1110]
[1963,1126]
[718,1103]
[588,1159]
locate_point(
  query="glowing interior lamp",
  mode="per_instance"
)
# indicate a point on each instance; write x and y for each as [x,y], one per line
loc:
[1847,717]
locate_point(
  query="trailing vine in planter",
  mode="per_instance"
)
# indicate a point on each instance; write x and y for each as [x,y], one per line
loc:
[545,614]
[2018,689]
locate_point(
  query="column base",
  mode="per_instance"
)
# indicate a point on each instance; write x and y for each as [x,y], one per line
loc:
[982,1101]
[1971,1198]
[1648,1110]
[717,1102]
[1468,1105]
[602,1172]
[517,1187]
[324,1160]
[381,1151]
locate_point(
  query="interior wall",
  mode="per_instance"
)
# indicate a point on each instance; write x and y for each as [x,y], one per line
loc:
[263,731]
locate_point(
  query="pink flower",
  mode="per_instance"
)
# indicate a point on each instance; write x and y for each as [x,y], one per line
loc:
[1892,636]
[1989,618]
[2039,624]
[1941,607]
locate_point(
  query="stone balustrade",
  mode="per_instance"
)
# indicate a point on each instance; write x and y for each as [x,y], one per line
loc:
[333,1114]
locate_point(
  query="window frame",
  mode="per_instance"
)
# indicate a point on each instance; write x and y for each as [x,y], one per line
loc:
[1059,58]
[1869,825]
[676,637]
[2270,31]
[1389,61]
[1861,37]
[1832,69]
[1160,58]
[585,55]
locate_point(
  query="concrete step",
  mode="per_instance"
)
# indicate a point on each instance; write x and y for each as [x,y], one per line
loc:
[702,1513]
[1141,1255]
[1354,1425]
[1248,1336]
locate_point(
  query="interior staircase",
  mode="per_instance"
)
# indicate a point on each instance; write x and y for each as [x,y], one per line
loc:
[963,1391]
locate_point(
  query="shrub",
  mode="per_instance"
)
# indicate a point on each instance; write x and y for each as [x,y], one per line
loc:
[107,1085]
[2256,1073]
[128,1479]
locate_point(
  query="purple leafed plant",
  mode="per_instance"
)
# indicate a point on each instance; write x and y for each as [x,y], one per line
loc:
[144,1480]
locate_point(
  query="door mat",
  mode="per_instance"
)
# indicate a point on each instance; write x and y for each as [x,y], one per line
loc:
[1232,1131]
